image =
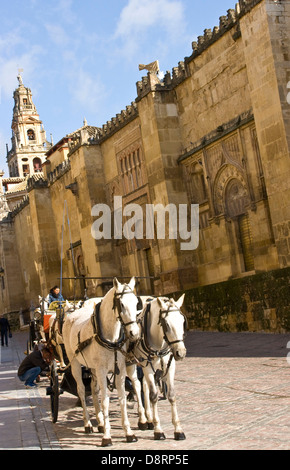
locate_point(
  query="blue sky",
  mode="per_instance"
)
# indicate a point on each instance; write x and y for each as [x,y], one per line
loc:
[80,58]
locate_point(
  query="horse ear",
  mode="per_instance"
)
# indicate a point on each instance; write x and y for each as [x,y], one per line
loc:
[116,283]
[132,283]
[179,302]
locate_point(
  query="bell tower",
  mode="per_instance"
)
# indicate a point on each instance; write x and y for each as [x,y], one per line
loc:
[29,143]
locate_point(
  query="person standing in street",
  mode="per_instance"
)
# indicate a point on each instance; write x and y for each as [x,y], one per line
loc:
[4,328]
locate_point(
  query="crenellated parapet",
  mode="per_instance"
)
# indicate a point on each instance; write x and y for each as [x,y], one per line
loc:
[18,208]
[226,23]
[94,135]
[58,172]
[178,75]
[147,84]
[84,135]
[211,35]
[120,120]
[231,20]
[36,181]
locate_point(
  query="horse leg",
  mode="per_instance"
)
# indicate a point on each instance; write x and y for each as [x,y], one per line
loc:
[132,374]
[59,351]
[147,404]
[178,432]
[120,384]
[77,373]
[153,395]
[105,400]
[95,395]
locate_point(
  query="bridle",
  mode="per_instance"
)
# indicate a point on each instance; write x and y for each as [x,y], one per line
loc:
[117,304]
[161,321]
[164,325]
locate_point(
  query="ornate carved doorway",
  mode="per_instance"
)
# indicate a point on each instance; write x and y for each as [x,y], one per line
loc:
[237,203]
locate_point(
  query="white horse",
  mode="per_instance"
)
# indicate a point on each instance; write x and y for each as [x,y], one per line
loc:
[55,330]
[161,345]
[93,338]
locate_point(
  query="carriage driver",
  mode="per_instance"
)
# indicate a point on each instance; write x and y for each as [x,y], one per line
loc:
[55,295]
[32,366]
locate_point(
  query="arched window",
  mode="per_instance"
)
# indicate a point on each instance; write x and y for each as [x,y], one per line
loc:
[37,165]
[31,134]
[25,170]
[131,169]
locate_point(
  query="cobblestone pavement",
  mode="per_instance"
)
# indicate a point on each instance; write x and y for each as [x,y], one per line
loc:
[232,389]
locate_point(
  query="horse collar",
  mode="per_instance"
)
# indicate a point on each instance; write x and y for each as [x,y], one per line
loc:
[144,340]
[98,332]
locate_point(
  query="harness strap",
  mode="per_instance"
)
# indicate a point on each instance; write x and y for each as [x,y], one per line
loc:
[82,344]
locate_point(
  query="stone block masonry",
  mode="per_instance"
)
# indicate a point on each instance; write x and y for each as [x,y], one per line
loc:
[253,303]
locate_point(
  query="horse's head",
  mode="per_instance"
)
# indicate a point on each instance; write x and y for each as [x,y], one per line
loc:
[173,323]
[125,302]
[43,302]
[68,307]
[37,314]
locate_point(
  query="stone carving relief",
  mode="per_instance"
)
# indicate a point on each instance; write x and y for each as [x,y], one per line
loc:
[230,192]
[236,198]
[226,151]
[214,159]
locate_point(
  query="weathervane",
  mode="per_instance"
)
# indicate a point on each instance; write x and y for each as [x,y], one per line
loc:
[152,67]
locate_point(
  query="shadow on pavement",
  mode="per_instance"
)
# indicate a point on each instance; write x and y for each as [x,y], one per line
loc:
[220,344]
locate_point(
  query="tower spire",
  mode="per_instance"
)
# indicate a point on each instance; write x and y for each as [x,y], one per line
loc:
[28,136]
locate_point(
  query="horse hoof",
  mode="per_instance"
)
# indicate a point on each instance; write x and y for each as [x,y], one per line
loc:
[159,436]
[106,442]
[131,438]
[150,426]
[89,429]
[101,429]
[142,426]
[179,436]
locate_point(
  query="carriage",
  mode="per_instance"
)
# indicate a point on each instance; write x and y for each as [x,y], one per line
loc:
[61,378]
[41,329]
[64,378]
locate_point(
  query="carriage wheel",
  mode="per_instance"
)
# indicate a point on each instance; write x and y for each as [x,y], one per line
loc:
[54,392]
